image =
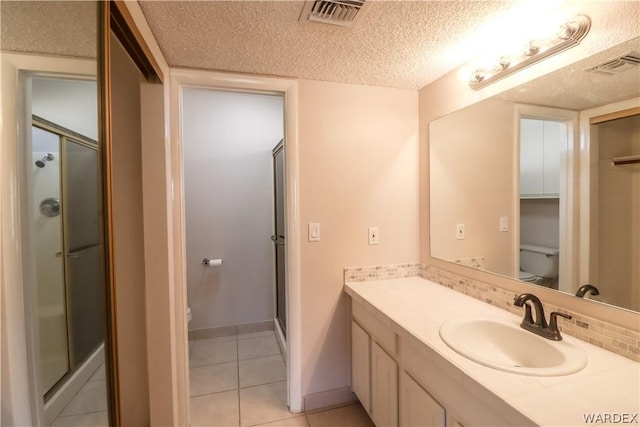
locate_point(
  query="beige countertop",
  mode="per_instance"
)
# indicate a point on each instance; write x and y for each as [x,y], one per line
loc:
[415,308]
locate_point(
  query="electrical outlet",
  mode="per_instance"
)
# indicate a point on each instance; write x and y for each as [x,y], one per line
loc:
[460,231]
[374,237]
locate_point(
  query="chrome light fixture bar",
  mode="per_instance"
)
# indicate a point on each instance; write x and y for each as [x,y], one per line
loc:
[567,36]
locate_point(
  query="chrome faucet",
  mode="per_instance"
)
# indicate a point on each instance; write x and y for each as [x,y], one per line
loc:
[585,289]
[540,325]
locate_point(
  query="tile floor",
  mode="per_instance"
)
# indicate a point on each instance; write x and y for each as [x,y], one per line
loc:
[88,408]
[240,381]
[236,381]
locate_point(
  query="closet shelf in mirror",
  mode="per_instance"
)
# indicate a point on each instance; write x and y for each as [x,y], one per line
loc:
[626,160]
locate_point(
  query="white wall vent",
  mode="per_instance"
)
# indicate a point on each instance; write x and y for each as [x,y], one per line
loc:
[335,12]
[618,65]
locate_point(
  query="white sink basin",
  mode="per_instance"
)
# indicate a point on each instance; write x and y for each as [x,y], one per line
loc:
[508,347]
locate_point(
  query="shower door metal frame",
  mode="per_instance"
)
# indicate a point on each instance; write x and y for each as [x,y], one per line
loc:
[279,240]
[64,136]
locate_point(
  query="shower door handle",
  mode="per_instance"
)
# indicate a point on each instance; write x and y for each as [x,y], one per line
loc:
[278,240]
[83,250]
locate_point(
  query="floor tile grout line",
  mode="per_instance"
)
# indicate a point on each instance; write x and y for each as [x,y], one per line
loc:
[298,415]
[260,357]
[238,376]
[260,385]
[77,415]
[213,364]
[214,392]
[237,361]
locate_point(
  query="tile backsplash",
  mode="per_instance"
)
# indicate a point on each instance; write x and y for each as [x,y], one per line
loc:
[616,339]
[381,272]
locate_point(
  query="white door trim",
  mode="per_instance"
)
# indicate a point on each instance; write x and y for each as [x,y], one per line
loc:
[181,78]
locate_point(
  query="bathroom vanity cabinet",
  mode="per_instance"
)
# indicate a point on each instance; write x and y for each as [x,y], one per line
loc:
[405,375]
[382,380]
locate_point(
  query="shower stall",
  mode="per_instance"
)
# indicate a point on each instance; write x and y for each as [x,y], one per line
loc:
[66,252]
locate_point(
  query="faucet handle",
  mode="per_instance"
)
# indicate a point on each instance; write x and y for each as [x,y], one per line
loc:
[528,316]
[553,325]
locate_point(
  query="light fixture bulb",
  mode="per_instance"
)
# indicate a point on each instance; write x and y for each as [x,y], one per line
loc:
[565,37]
[477,76]
[566,31]
[530,49]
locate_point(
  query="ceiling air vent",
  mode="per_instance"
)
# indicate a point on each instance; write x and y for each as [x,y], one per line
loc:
[334,12]
[618,65]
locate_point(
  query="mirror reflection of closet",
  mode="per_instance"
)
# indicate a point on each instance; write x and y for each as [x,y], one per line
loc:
[615,208]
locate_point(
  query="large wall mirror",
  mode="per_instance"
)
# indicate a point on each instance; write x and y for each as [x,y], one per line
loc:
[49,63]
[540,185]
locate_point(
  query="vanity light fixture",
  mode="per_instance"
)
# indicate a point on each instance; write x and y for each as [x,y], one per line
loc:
[567,36]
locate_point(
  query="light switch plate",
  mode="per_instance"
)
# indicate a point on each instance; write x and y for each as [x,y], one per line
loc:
[504,223]
[314,232]
[374,237]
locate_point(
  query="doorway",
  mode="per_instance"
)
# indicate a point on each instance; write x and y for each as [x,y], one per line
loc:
[233,236]
[542,143]
[184,79]
[544,203]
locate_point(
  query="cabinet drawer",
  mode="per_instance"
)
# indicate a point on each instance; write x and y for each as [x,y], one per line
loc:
[378,330]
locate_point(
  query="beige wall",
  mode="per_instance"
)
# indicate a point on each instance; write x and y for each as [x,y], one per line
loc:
[472,171]
[128,241]
[358,168]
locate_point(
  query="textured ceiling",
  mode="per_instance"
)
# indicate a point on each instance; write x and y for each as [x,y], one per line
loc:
[403,44]
[65,28]
[575,88]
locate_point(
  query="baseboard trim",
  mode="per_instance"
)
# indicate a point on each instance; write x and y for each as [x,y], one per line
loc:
[328,398]
[225,331]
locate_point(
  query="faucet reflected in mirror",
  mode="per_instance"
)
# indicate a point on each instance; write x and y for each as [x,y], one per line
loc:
[587,289]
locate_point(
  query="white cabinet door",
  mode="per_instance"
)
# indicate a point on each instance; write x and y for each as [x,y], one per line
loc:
[361,364]
[541,144]
[384,388]
[531,156]
[417,407]
[555,138]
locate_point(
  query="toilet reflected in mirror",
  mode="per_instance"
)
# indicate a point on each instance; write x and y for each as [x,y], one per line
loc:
[539,265]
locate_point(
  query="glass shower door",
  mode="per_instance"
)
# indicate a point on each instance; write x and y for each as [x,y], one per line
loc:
[83,248]
[47,232]
[66,227]
[279,236]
